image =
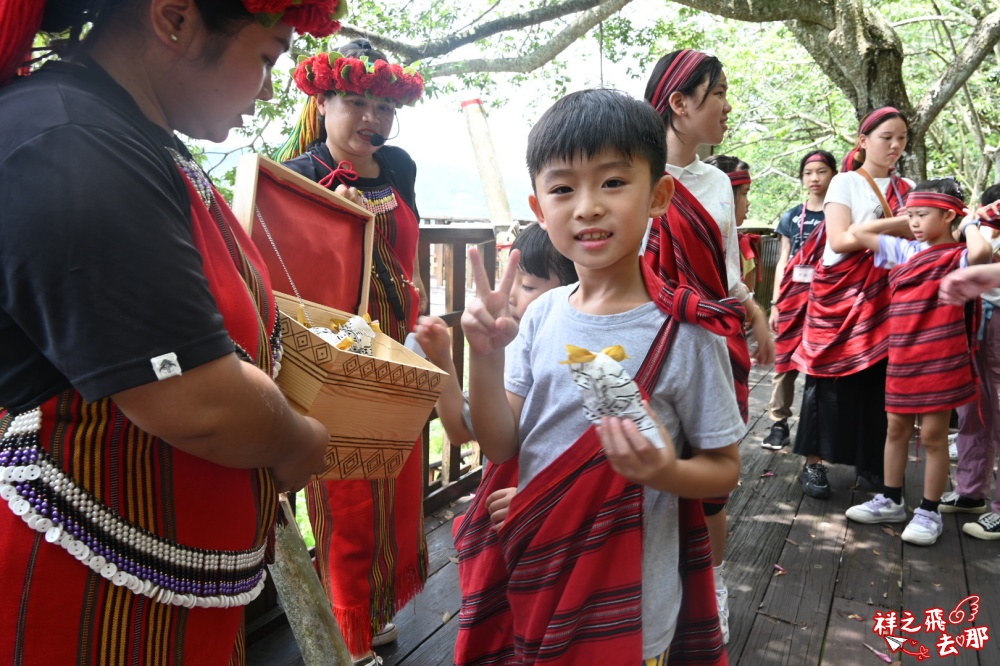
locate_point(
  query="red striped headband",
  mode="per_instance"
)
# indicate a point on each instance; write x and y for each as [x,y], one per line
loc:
[935,200]
[875,117]
[737,178]
[677,76]
[848,163]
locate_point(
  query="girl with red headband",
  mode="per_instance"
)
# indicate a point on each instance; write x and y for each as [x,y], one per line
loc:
[791,286]
[142,439]
[930,360]
[370,546]
[739,178]
[688,89]
[845,336]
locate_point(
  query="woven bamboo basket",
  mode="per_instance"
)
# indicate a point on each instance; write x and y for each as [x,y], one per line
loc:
[373,406]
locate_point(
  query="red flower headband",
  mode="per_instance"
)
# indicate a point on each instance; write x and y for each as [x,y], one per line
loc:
[935,200]
[737,178]
[332,72]
[319,18]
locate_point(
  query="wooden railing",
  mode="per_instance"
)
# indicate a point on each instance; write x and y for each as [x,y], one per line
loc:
[458,472]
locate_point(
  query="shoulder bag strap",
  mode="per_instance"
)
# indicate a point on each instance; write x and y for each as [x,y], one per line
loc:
[886,208]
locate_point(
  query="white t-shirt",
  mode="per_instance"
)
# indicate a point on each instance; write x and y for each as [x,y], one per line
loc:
[712,189]
[852,190]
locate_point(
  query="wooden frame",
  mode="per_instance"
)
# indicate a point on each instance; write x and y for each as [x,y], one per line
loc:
[245,206]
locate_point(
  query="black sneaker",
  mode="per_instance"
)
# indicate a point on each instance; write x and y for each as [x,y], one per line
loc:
[987,527]
[955,503]
[814,481]
[778,438]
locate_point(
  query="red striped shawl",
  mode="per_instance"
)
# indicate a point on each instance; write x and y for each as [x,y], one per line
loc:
[685,247]
[930,343]
[793,298]
[846,328]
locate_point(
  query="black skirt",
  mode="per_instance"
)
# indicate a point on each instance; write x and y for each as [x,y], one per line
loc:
[843,419]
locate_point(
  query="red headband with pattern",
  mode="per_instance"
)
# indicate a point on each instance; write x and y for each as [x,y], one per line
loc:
[737,178]
[319,18]
[935,200]
[677,76]
[875,117]
[817,157]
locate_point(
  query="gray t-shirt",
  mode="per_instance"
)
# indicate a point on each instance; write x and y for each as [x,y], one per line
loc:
[693,399]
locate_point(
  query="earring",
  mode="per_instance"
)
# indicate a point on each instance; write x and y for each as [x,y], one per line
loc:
[173,37]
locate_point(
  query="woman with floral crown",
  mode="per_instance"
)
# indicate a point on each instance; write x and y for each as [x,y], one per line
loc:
[370,545]
[142,439]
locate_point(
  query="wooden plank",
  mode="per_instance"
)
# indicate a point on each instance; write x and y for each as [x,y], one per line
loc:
[792,617]
[982,570]
[423,618]
[847,635]
[438,650]
[440,544]
[759,517]
[871,569]
[931,578]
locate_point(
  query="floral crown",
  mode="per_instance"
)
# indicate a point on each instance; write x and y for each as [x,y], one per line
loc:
[319,18]
[333,72]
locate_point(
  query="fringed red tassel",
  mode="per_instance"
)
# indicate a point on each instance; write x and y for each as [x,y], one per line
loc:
[20,20]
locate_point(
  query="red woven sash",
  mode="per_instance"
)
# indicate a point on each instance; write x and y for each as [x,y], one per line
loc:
[793,298]
[685,249]
[930,343]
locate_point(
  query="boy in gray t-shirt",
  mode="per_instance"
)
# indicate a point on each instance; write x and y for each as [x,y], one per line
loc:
[596,160]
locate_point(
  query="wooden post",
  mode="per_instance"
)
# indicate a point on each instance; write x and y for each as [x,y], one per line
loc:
[489,170]
[306,606]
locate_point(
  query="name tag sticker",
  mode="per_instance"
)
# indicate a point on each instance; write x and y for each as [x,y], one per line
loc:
[803,273]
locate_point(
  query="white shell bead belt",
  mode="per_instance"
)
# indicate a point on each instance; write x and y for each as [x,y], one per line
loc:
[48,500]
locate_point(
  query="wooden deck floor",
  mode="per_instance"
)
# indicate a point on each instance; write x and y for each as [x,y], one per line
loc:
[816,609]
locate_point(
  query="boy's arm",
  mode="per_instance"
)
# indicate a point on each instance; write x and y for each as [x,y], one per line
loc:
[489,328]
[432,334]
[980,250]
[495,411]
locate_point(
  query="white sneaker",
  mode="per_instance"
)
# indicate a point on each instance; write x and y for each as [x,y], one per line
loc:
[879,509]
[722,602]
[952,449]
[925,528]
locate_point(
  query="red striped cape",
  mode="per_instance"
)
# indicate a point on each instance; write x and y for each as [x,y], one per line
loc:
[930,342]
[685,247]
[793,298]
[847,318]
[561,581]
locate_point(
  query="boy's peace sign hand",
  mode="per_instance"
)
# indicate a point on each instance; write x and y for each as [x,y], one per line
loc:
[487,321]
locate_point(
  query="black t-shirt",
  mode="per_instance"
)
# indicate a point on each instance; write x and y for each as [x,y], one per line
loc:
[98,271]
[797,230]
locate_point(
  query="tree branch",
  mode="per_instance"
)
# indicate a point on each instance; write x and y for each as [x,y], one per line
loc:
[765,11]
[984,37]
[438,47]
[540,55]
